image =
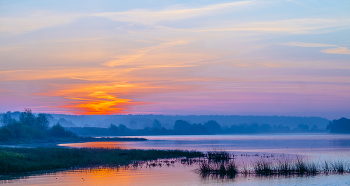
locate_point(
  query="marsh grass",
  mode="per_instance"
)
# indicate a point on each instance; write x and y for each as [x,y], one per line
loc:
[264,167]
[338,166]
[21,160]
[218,155]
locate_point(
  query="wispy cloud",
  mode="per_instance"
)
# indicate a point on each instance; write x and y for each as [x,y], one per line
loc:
[291,26]
[301,44]
[339,50]
[151,17]
[128,59]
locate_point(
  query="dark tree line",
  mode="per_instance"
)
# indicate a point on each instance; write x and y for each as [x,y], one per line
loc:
[182,127]
[30,126]
[341,125]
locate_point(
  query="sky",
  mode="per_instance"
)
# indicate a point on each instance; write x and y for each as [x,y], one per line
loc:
[242,57]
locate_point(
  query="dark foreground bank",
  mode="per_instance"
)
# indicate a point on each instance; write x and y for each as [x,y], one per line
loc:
[23,160]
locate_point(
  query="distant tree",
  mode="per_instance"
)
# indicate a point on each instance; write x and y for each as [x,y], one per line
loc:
[58,131]
[156,124]
[27,117]
[198,129]
[281,128]
[182,126]
[7,119]
[302,128]
[213,127]
[265,128]
[41,122]
[122,128]
[341,125]
[113,128]
[253,128]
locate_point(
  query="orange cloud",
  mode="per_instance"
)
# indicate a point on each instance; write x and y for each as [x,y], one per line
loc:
[99,103]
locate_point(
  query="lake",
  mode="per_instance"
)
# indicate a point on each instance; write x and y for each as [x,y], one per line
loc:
[247,148]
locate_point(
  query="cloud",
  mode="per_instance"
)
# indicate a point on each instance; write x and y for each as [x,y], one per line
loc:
[128,59]
[100,102]
[339,50]
[151,17]
[125,59]
[301,44]
[291,26]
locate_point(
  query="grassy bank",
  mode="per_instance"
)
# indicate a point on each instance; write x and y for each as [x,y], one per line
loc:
[21,160]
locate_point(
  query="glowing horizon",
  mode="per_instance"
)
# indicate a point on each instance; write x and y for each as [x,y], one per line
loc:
[247,57]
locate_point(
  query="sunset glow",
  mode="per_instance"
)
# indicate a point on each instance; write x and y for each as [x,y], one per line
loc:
[249,57]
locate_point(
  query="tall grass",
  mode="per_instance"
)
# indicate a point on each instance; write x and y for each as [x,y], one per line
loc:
[263,167]
[218,155]
[16,160]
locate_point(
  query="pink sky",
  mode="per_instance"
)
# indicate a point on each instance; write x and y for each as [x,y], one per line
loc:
[216,57]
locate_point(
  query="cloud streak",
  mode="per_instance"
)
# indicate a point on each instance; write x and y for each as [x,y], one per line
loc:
[151,17]
[339,50]
[301,44]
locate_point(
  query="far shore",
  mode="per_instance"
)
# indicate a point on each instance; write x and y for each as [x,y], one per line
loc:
[52,142]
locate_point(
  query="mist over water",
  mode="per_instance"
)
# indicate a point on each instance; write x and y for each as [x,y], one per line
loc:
[247,149]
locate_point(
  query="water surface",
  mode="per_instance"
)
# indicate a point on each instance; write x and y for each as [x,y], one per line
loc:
[315,147]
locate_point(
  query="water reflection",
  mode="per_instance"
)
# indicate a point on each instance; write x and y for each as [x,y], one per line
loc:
[246,149]
[119,145]
[175,174]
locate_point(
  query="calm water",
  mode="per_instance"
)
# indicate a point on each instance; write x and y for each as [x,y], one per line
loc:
[313,147]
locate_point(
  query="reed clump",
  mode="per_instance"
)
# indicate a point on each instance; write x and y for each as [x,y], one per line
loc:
[218,155]
[223,169]
[263,167]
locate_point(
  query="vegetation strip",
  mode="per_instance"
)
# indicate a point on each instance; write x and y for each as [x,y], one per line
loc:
[220,163]
[22,160]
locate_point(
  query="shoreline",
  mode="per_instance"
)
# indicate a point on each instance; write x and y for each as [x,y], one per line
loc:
[52,142]
[17,161]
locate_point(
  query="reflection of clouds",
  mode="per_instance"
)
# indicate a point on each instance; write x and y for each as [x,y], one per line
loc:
[116,145]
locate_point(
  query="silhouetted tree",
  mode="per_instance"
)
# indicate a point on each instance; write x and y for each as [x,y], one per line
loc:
[213,127]
[341,125]
[302,128]
[27,117]
[182,126]
[265,128]
[122,128]
[41,122]
[7,119]
[58,131]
